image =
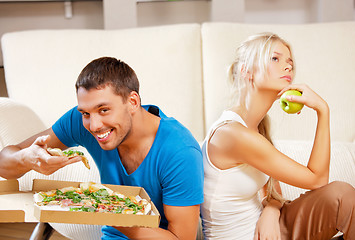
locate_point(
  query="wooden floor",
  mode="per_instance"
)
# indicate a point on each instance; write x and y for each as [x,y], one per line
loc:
[17,231]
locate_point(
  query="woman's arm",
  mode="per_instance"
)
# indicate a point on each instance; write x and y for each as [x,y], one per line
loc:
[320,156]
[235,144]
[268,226]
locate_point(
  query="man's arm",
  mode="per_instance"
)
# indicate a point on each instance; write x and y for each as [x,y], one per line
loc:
[182,224]
[31,154]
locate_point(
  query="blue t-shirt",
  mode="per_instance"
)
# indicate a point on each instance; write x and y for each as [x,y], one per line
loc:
[171,173]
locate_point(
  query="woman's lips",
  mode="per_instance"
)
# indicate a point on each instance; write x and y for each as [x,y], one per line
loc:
[287,77]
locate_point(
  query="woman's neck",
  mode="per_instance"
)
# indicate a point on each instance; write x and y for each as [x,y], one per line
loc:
[255,107]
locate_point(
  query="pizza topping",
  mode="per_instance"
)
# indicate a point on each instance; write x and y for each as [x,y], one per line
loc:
[91,197]
[66,202]
[73,153]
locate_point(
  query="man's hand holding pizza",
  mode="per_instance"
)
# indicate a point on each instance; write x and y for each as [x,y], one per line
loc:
[32,154]
[37,158]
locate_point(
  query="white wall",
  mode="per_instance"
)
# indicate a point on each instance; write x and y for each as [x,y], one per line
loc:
[278,11]
[113,14]
[45,15]
[248,11]
[153,13]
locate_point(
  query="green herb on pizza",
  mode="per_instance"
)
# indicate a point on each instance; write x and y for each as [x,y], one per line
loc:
[91,197]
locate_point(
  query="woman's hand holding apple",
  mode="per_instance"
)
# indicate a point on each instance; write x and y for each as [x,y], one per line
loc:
[307,97]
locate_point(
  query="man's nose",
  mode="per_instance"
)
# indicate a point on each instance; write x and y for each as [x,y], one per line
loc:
[95,123]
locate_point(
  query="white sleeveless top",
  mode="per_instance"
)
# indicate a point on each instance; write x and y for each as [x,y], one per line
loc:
[231,205]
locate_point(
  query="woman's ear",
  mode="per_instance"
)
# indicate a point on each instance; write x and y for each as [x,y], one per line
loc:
[251,80]
[248,76]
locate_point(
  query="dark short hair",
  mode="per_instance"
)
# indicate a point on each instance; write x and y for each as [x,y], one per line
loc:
[105,71]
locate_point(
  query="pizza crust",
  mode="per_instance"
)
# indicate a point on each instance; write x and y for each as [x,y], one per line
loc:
[93,187]
[85,161]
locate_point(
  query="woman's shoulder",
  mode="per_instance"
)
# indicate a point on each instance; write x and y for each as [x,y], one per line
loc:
[226,144]
[235,137]
[231,132]
[230,135]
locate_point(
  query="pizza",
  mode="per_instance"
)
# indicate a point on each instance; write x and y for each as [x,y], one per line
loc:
[70,154]
[92,197]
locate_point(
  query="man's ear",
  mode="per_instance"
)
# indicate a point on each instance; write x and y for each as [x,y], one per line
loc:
[134,101]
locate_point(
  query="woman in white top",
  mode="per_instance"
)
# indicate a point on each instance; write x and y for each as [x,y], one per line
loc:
[239,158]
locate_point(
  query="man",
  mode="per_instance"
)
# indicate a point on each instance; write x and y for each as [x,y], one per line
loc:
[131,144]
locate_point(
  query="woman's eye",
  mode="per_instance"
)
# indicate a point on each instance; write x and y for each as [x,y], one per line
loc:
[275,59]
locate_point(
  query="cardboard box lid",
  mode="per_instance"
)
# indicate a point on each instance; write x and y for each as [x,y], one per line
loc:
[16,206]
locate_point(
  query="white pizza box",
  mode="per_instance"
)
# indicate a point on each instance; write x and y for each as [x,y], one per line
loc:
[16,206]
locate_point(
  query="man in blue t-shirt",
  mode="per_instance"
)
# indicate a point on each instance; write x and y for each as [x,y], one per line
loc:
[131,144]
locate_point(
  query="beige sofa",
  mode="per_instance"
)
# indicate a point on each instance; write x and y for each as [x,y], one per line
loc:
[182,69]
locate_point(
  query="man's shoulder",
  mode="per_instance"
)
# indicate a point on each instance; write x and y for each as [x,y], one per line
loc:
[71,114]
[171,131]
[70,120]
[175,130]
[176,141]
[70,130]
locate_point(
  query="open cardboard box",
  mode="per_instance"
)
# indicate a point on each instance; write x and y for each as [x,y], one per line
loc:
[16,206]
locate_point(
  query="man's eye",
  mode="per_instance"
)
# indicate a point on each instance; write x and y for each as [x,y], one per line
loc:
[85,114]
[104,110]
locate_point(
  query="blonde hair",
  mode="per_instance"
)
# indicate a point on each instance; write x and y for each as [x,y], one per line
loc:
[271,192]
[253,55]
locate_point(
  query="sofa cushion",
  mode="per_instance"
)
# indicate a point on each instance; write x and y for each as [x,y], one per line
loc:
[41,67]
[324,56]
[342,162]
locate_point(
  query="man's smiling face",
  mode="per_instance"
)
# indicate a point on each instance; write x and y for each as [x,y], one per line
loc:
[105,115]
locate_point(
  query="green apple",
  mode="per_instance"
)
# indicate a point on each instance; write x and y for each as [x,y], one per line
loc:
[290,107]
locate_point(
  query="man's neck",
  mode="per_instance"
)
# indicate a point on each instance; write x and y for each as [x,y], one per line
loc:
[136,147]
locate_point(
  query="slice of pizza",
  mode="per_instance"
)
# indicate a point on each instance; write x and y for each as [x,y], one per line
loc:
[64,197]
[143,206]
[94,187]
[110,201]
[146,206]
[70,154]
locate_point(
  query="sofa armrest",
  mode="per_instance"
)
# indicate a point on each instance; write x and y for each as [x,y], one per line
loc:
[17,123]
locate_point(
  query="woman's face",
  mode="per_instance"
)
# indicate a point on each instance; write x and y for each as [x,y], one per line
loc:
[279,70]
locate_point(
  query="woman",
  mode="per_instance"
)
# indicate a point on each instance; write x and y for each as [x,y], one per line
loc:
[239,158]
